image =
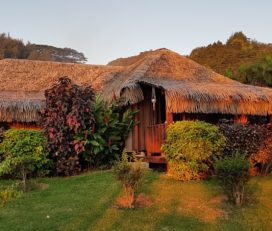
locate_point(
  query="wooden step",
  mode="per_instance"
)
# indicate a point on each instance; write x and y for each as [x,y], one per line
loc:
[155,159]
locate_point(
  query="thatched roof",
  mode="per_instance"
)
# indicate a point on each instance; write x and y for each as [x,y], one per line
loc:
[29,75]
[23,82]
[188,86]
[20,105]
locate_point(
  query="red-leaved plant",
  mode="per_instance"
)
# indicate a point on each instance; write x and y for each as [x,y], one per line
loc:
[254,141]
[67,113]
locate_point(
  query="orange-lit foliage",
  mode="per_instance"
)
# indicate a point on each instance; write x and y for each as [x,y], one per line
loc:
[229,58]
[263,158]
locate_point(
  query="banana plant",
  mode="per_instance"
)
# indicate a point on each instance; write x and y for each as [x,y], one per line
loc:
[105,140]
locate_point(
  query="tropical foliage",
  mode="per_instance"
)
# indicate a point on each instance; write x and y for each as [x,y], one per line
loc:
[68,112]
[105,141]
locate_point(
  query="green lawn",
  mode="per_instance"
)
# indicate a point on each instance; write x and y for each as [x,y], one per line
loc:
[86,202]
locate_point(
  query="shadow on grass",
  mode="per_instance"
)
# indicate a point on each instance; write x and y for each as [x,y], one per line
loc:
[252,190]
[175,222]
[139,218]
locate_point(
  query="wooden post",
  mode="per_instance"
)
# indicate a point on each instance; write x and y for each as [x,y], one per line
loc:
[169,118]
[269,117]
[183,116]
[240,119]
[135,136]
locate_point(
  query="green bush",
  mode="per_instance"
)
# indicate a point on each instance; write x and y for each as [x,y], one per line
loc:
[233,174]
[186,170]
[189,147]
[130,174]
[23,153]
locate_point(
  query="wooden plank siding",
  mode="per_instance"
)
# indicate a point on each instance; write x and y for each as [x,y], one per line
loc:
[147,117]
[155,137]
[28,126]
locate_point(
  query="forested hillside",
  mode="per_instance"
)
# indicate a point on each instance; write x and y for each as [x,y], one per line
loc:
[240,58]
[17,49]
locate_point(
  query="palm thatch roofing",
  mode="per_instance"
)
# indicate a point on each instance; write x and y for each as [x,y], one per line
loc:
[23,83]
[188,86]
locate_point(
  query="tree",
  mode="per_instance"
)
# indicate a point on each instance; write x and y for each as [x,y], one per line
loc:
[259,73]
[44,52]
[130,175]
[233,174]
[16,49]
[23,152]
[238,40]
[238,50]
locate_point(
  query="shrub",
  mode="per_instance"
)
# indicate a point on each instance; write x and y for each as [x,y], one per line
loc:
[8,193]
[130,175]
[106,139]
[244,138]
[232,172]
[23,153]
[189,147]
[68,112]
[186,170]
[262,160]
[252,140]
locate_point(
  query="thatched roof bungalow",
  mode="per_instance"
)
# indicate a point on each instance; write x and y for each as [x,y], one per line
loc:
[163,85]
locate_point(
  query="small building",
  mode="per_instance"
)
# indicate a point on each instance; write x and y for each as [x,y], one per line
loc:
[164,86]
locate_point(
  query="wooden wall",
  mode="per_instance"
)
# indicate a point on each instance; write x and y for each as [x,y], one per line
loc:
[32,126]
[146,117]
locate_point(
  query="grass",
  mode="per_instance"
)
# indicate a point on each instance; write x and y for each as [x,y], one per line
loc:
[86,202]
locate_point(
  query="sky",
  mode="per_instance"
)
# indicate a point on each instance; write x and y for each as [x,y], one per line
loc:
[108,29]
